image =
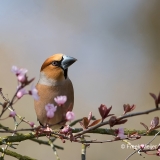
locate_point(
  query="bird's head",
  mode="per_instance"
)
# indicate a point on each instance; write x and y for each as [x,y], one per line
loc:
[56,66]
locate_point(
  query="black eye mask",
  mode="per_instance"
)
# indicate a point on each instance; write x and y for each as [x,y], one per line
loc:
[58,64]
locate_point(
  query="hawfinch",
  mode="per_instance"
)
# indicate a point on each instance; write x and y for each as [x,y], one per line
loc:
[53,82]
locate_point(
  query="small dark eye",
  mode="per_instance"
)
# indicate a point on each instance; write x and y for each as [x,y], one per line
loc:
[55,63]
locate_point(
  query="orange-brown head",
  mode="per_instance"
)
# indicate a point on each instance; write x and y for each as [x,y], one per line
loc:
[56,66]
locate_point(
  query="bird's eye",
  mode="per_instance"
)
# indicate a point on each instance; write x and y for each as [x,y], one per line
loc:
[55,63]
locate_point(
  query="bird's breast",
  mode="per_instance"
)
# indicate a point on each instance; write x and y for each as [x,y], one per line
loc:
[44,80]
[47,93]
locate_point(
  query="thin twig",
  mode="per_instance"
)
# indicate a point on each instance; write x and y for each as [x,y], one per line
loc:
[54,149]
[3,96]
[139,150]
[15,128]
[10,103]
[46,143]
[83,150]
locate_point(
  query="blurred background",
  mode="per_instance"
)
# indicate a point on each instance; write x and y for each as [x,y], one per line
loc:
[117,44]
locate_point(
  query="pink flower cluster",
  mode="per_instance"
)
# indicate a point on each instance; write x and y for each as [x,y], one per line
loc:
[60,100]
[66,129]
[33,92]
[70,116]
[20,73]
[31,124]
[21,76]
[21,92]
[12,114]
[121,133]
[50,109]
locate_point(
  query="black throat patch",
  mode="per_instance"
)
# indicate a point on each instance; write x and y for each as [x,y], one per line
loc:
[65,73]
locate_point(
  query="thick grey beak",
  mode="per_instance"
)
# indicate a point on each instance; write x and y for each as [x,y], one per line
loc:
[67,61]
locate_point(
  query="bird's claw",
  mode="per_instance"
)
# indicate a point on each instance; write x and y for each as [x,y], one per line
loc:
[43,130]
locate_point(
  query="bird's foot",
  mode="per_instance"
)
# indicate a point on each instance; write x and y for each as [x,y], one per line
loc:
[43,130]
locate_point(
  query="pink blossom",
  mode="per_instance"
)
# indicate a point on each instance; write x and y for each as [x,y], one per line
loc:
[22,78]
[60,100]
[66,129]
[70,116]
[20,73]
[158,152]
[12,114]
[34,93]
[21,92]
[50,108]
[31,124]
[121,133]
[142,146]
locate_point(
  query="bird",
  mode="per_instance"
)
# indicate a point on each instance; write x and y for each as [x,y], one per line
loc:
[53,82]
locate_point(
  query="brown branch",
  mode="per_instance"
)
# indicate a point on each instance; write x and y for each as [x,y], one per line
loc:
[34,140]
[77,130]
[3,96]
[10,103]
[95,141]
[120,118]
[46,143]
[16,155]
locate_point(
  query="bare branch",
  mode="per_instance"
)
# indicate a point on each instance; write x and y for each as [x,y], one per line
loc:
[140,150]
[16,155]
